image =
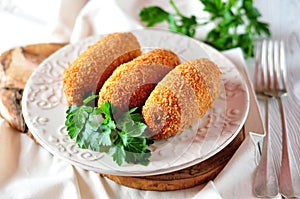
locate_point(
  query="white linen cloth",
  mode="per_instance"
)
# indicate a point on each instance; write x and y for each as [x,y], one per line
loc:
[34,21]
[28,171]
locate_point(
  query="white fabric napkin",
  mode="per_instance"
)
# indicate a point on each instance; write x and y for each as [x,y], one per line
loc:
[29,171]
[35,21]
[100,17]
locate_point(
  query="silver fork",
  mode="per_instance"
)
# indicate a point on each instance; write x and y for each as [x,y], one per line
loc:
[271,83]
[265,179]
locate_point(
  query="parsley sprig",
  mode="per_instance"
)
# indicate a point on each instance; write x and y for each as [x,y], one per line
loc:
[236,22]
[94,128]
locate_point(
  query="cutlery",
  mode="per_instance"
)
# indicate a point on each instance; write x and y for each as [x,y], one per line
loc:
[289,179]
[270,83]
[265,178]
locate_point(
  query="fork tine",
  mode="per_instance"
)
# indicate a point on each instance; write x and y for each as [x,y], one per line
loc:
[270,65]
[282,65]
[257,72]
[277,65]
[264,64]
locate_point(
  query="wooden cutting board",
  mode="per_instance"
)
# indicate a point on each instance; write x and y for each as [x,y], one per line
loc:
[17,64]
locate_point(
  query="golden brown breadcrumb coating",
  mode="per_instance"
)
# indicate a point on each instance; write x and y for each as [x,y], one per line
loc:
[90,70]
[182,97]
[132,82]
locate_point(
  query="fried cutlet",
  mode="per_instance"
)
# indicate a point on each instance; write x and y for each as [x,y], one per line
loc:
[132,82]
[89,71]
[182,97]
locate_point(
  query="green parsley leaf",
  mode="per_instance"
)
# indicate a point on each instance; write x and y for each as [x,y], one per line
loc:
[118,154]
[136,150]
[106,108]
[153,15]
[95,128]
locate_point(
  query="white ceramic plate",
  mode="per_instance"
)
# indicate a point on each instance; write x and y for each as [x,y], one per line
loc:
[44,107]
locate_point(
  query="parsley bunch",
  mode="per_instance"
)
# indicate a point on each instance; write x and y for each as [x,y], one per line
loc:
[95,128]
[236,23]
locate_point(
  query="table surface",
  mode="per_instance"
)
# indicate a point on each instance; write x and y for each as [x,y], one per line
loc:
[282,17]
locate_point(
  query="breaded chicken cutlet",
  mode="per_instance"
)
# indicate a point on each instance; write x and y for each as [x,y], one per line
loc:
[89,71]
[131,83]
[182,97]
